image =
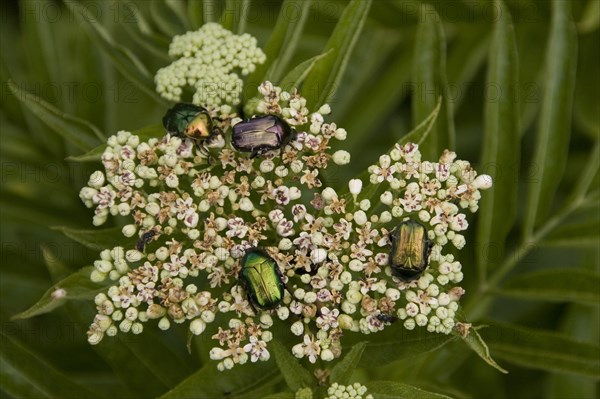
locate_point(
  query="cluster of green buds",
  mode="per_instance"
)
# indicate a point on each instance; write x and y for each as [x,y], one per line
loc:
[210,61]
[323,263]
[354,391]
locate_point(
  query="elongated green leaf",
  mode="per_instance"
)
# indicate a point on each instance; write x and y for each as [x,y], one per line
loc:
[578,195]
[24,374]
[429,79]
[295,375]
[178,7]
[235,15]
[577,234]
[166,19]
[501,145]
[342,372]
[395,342]
[147,364]
[194,12]
[321,83]
[590,19]
[281,395]
[296,76]
[475,342]
[76,286]
[282,43]
[470,50]
[57,269]
[420,133]
[93,155]
[581,322]
[554,125]
[542,350]
[123,58]
[398,390]
[77,131]
[95,239]
[208,382]
[209,12]
[367,115]
[559,285]
[587,86]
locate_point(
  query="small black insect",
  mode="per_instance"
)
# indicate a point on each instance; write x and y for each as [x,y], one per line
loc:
[386,318]
[145,239]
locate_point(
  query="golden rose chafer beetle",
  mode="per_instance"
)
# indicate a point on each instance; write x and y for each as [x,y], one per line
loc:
[262,280]
[409,255]
[190,121]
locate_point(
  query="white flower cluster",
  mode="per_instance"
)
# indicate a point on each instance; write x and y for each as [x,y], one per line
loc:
[354,391]
[210,60]
[433,193]
[195,215]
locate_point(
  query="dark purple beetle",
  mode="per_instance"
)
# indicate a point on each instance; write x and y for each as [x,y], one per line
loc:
[261,134]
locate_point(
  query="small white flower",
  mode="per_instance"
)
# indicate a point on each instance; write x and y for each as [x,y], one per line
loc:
[341,157]
[483,182]
[355,186]
[360,217]
[257,349]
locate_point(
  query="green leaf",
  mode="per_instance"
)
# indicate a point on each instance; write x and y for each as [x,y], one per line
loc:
[558,285]
[95,239]
[282,43]
[209,10]
[178,7]
[364,115]
[24,374]
[392,389]
[322,82]
[420,133]
[294,374]
[77,131]
[342,372]
[123,58]
[395,343]
[139,362]
[586,233]
[475,342]
[93,155]
[76,286]
[166,18]
[281,395]
[57,269]
[590,19]
[501,145]
[577,197]
[208,382]
[554,125]
[195,14]
[429,79]
[235,15]
[296,76]
[542,350]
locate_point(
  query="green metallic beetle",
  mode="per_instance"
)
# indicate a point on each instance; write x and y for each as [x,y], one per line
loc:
[409,256]
[262,280]
[190,121]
